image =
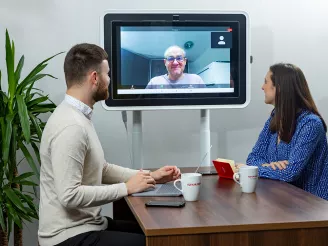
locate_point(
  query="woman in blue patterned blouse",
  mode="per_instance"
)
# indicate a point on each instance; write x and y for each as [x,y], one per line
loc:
[292,146]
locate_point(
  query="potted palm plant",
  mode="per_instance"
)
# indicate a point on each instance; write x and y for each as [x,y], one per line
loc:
[20,129]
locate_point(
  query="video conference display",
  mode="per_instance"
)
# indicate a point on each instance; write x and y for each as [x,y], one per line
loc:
[198,59]
[159,60]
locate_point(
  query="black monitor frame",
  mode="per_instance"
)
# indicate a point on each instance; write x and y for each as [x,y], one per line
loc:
[239,98]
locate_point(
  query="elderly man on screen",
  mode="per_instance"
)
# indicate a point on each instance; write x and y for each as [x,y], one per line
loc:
[175,61]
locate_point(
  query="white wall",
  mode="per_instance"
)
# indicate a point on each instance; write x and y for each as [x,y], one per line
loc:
[291,31]
[208,56]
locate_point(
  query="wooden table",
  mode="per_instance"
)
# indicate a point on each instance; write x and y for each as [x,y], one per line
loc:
[276,214]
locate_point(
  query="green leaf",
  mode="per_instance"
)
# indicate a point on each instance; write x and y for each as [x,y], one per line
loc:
[13,49]
[28,96]
[36,78]
[10,224]
[32,213]
[4,97]
[7,138]
[7,172]
[29,159]
[36,89]
[1,177]
[35,71]
[29,210]
[51,57]
[3,128]
[12,153]
[42,110]
[37,93]
[40,67]
[23,176]
[13,214]
[25,217]
[27,183]
[2,219]
[36,125]
[20,161]
[36,101]
[28,192]
[10,67]
[14,199]
[44,105]
[31,78]
[23,116]
[19,69]
[35,192]
[0,81]
[3,103]
[36,151]
[35,140]
[26,198]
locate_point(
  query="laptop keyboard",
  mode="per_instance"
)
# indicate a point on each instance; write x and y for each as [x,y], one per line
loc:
[168,189]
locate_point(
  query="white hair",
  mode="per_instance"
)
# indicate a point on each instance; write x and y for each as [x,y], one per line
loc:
[169,49]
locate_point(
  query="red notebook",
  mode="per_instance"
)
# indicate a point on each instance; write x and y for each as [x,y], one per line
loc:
[225,168]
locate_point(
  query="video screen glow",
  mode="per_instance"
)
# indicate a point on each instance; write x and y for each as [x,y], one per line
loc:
[169,59]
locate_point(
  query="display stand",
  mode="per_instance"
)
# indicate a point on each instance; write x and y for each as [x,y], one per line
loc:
[137,142]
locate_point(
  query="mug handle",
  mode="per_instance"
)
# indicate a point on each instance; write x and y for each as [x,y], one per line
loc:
[178,180]
[235,179]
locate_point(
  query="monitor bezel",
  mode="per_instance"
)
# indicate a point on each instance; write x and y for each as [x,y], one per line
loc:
[181,103]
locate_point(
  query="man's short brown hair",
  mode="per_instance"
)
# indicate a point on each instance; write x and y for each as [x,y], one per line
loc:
[80,59]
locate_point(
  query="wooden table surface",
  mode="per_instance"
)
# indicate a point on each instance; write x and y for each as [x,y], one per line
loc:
[223,208]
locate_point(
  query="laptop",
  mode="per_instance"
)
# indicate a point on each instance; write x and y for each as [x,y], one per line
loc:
[166,189]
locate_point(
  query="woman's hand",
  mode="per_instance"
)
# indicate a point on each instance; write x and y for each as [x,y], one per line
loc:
[237,166]
[278,164]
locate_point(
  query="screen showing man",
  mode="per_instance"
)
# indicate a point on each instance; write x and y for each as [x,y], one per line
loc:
[196,60]
[175,62]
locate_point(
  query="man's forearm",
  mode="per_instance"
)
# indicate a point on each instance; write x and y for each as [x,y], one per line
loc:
[90,196]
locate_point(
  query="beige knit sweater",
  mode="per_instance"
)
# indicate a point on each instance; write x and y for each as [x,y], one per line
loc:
[72,177]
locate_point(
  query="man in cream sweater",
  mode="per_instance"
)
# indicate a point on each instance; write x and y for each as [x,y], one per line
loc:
[75,177]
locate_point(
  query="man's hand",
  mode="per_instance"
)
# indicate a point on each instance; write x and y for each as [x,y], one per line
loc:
[140,182]
[279,164]
[166,174]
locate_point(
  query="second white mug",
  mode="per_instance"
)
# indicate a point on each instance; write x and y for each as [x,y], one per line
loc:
[248,176]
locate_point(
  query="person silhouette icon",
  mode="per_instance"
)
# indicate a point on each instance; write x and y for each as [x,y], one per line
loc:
[221,42]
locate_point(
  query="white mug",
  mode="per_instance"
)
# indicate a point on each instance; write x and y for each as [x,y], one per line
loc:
[190,184]
[248,176]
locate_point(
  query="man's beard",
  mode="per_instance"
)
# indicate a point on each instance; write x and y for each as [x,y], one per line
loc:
[101,94]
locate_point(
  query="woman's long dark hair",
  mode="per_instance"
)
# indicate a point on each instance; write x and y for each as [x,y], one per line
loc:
[292,95]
